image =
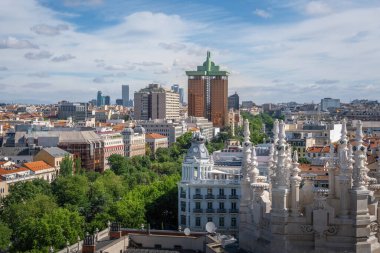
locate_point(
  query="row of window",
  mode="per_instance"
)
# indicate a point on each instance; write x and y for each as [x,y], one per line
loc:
[221,191]
[220,220]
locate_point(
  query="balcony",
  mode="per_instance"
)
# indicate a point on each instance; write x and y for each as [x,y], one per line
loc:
[234,210]
[222,210]
[210,196]
[210,210]
[197,196]
[221,197]
[233,197]
[183,195]
[197,210]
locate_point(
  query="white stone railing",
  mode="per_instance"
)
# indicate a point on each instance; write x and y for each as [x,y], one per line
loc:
[77,247]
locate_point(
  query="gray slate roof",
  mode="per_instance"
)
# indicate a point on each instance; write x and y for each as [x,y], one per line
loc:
[56,152]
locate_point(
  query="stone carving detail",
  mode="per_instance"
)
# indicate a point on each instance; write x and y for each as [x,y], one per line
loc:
[307,228]
[332,230]
[374,227]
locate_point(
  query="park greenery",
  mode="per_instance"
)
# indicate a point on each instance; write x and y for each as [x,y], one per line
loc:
[134,191]
[140,190]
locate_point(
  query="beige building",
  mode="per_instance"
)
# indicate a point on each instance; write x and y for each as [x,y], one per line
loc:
[113,144]
[52,156]
[134,141]
[155,102]
[10,173]
[156,141]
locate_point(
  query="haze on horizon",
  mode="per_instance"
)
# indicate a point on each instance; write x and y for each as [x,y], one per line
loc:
[275,50]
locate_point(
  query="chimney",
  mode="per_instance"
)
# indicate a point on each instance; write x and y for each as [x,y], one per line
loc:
[115,231]
[89,244]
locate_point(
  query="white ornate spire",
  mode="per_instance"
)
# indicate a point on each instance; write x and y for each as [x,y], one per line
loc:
[295,169]
[360,170]
[247,151]
[254,172]
[275,131]
[246,131]
[281,172]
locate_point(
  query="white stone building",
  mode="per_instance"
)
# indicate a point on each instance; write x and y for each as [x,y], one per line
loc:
[287,216]
[208,192]
[134,141]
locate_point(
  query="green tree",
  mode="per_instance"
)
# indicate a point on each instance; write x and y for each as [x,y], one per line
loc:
[23,191]
[78,166]
[72,192]
[303,160]
[66,167]
[118,164]
[5,236]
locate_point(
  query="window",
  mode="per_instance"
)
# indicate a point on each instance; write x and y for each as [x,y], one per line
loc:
[233,192]
[209,219]
[233,222]
[183,220]
[233,205]
[183,206]
[209,205]
[198,205]
[197,221]
[221,221]
[221,205]
[221,192]
[197,191]
[209,191]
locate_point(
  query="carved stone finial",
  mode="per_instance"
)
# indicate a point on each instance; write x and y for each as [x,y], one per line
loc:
[275,131]
[360,170]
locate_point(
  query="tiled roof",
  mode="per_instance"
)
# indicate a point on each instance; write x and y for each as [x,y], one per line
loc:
[155,136]
[37,166]
[11,171]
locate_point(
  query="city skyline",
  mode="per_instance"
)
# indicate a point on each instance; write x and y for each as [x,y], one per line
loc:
[276,51]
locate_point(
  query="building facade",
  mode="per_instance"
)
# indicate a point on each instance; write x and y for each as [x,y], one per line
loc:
[77,111]
[134,141]
[155,102]
[125,95]
[292,215]
[233,102]
[167,128]
[327,103]
[208,192]
[156,141]
[207,92]
[113,145]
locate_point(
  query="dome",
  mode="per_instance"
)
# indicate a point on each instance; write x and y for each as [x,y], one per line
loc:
[140,130]
[198,148]
[128,131]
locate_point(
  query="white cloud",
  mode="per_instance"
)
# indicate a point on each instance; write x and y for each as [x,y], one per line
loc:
[38,56]
[317,8]
[64,57]
[49,30]
[262,13]
[14,43]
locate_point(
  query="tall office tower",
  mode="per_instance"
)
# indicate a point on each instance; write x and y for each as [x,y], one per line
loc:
[175,88]
[125,94]
[233,101]
[181,95]
[155,102]
[207,92]
[99,99]
[107,100]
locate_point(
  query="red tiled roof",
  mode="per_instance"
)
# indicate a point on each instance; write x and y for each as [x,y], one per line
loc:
[154,136]
[37,166]
[11,171]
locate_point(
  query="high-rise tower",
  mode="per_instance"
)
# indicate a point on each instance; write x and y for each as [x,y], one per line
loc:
[207,92]
[125,94]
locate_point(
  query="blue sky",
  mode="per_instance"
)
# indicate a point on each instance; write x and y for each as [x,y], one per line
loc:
[275,50]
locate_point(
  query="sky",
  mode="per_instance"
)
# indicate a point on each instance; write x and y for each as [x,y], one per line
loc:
[275,50]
